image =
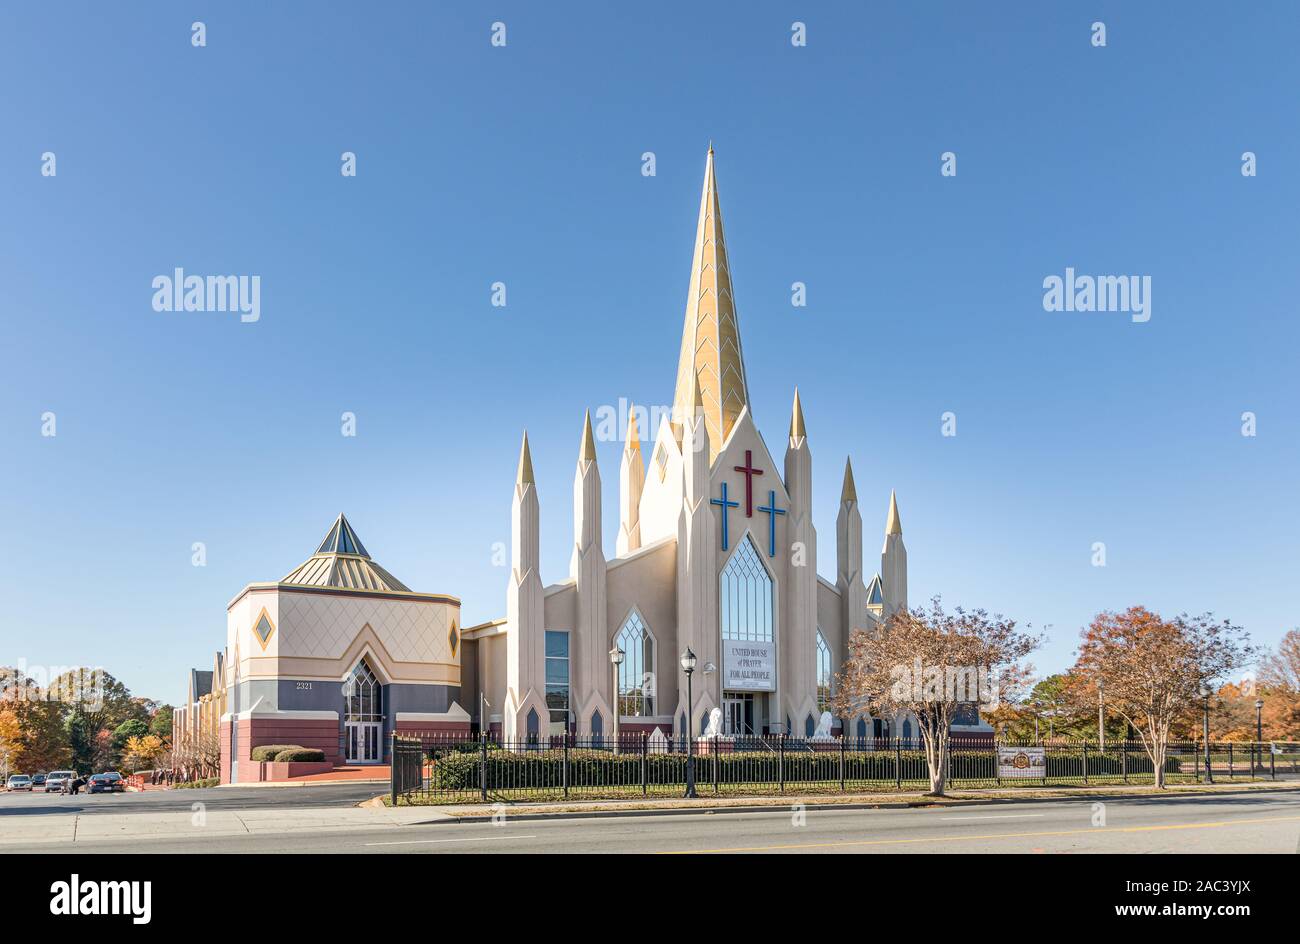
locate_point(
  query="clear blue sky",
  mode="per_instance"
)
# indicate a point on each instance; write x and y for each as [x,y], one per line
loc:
[522,164]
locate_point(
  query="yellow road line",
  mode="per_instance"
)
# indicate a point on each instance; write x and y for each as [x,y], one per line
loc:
[1095,831]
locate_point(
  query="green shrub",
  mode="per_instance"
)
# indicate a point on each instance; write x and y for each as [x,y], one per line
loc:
[455,770]
[268,751]
[196,784]
[300,755]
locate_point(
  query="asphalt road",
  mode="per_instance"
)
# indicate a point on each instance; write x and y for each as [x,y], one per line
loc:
[1251,823]
[217,798]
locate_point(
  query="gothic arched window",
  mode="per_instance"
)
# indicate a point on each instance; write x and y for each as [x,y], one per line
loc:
[363,696]
[636,673]
[745,596]
[823,673]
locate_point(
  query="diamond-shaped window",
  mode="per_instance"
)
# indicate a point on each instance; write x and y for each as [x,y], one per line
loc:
[453,638]
[263,629]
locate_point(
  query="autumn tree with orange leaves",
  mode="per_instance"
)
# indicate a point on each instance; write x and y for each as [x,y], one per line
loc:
[1152,670]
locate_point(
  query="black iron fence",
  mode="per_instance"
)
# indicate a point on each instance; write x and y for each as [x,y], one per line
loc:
[453,769]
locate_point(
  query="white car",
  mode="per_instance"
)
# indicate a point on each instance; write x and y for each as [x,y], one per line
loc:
[19,782]
[56,781]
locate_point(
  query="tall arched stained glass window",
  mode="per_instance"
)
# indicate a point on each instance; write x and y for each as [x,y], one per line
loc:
[636,673]
[745,596]
[363,695]
[823,673]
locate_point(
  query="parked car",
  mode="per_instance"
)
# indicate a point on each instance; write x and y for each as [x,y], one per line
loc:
[106,783]
[19,782]
[39,781]
[56,781]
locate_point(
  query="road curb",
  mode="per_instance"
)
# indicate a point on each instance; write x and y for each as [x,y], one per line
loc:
[946,803]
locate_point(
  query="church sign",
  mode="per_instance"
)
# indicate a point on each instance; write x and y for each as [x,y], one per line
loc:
[1021,762]
[748,666]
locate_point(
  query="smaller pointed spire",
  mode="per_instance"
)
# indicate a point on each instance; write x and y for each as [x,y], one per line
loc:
[633,434]
[894,525]
[850,491]
[588,451]
[525,474]
[797,430]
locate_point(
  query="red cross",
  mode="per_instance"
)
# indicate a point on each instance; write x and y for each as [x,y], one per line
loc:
[750,472]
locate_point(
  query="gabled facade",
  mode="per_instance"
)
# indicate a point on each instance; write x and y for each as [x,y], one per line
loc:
[716,552]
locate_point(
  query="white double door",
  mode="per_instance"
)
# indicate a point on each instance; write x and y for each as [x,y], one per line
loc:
[363,740]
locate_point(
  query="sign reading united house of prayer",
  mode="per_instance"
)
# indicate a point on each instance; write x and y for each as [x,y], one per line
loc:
[748,666]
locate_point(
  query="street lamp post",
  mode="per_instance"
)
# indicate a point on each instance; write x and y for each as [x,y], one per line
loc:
[688,666]
[1209,770]
[1259,731]
[1101,717]
[616,660]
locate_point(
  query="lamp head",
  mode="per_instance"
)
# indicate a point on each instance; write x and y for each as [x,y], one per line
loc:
[688,660]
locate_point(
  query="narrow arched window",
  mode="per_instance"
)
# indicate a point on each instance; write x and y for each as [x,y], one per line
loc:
[362,695]
[823,673]
[636,673]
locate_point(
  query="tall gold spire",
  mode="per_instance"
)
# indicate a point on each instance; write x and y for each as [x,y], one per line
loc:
[711,355]
[894,525]
[633,434]
[850,491]
[588,451]
[797,430]
[525,474]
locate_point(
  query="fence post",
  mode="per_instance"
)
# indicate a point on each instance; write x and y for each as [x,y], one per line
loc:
[716,765]
[565,776]
[780,760]
[1196,756]
[482,765]
[1231,772]
[1085,761]
[898,763]
[1272,762]
[392,770]
[645,782]
[842,786]
[997,763]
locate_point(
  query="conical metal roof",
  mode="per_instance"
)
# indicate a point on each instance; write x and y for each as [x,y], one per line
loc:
[341,561]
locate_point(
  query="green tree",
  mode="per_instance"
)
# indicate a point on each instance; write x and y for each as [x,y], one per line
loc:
[161,722]
[131,728]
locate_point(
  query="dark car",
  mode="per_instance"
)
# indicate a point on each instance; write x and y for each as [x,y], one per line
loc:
[106,783]
[38,780]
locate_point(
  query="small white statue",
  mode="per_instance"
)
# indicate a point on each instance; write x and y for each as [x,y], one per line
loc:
[715,723]
[657,742]
[823,732]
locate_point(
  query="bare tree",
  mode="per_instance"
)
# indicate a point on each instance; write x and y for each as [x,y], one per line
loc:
[928,663]
[1281,669]
[1153,670]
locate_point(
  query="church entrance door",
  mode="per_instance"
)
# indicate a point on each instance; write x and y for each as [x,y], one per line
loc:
[363,740]
[738,713]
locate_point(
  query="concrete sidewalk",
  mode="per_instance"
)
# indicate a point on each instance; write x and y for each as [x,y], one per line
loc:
[61,828]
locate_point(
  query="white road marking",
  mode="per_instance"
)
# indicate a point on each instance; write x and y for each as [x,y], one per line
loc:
[1007,816]
[417,842]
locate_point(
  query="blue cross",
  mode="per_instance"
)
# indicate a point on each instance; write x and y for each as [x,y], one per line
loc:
[725,505]
[772,512]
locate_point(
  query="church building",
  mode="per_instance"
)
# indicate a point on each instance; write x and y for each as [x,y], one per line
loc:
[716,553]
